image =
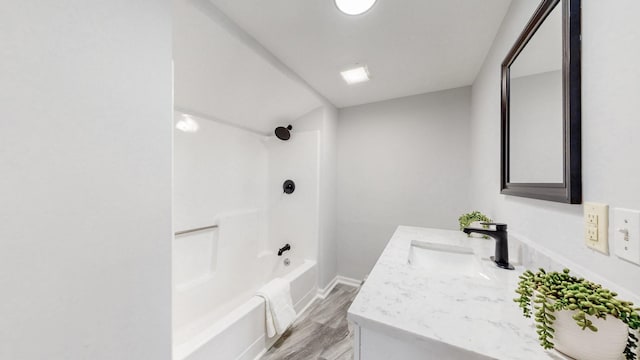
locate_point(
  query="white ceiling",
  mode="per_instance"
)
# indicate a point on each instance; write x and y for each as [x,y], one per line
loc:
[221,76]
[410,46]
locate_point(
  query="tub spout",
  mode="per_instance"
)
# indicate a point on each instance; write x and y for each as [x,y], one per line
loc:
[286,247]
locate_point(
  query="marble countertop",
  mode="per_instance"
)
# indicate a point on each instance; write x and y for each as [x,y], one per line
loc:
[478,315]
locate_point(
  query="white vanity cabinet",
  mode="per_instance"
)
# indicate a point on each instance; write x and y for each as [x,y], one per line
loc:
[434,294]
[370,344]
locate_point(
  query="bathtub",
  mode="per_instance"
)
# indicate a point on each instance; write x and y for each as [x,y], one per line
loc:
[234,328]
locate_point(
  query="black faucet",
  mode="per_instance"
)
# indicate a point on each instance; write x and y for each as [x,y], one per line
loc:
[500,235]
[286,247]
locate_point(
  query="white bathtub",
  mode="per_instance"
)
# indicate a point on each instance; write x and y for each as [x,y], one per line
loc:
[234,329]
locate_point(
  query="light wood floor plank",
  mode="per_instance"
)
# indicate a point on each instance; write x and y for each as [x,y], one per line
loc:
[320,333]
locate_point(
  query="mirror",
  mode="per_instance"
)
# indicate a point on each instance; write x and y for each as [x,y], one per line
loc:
[541,107]
[535,106]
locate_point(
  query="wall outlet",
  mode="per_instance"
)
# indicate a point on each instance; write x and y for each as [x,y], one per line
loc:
[592,233]
[596,226]
[626,234]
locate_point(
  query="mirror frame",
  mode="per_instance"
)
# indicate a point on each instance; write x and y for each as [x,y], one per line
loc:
[570,190]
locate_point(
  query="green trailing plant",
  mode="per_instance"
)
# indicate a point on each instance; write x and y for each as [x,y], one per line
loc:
[466,220]
[542,294]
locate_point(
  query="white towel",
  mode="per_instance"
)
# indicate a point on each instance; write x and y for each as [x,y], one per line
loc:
[280,313]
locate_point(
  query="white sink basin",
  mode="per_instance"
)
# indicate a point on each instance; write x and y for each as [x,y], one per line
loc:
[443,258]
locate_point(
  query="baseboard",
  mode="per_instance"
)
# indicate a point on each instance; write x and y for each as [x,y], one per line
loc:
[323,293]
[349,281]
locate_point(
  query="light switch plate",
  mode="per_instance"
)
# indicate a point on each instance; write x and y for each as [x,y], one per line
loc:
[596,226]
[626,234]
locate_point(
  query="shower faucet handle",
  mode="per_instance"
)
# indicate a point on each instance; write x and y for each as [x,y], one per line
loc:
[288,187]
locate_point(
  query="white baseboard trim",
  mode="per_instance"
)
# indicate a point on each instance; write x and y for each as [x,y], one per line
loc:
[349,281]
[323,293]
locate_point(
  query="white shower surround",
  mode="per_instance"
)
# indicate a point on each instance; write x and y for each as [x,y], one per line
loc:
[233,178]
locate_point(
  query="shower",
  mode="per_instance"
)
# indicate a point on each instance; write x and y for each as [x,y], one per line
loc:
[283,133]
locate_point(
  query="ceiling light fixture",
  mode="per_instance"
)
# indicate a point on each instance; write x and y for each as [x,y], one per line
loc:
[354,7]
[356,75]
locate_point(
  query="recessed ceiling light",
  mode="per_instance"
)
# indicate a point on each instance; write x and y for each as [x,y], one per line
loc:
[356,75]
[354,7]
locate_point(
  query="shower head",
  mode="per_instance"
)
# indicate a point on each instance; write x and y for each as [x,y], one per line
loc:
[283,133]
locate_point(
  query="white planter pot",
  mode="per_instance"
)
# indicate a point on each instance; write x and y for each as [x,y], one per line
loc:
[607,343]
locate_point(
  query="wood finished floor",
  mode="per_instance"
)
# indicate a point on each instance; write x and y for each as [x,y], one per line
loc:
[321,333]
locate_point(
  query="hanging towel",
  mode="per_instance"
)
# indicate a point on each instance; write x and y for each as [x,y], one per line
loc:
[280,313]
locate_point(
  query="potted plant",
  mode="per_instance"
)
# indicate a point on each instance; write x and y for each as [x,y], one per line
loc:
[578,317]
[468,219]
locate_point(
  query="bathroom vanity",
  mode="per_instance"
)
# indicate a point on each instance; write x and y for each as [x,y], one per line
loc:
[434,294]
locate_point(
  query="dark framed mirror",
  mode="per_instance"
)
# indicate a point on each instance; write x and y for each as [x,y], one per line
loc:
[541,109]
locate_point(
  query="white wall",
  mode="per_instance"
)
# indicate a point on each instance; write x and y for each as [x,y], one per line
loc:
[294,218]
[85,153]
[325,120]
[217,169]
[220,177]
[232,177]
[400,162]
[328,256]
[220,71]
[610,88]
[223,73]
